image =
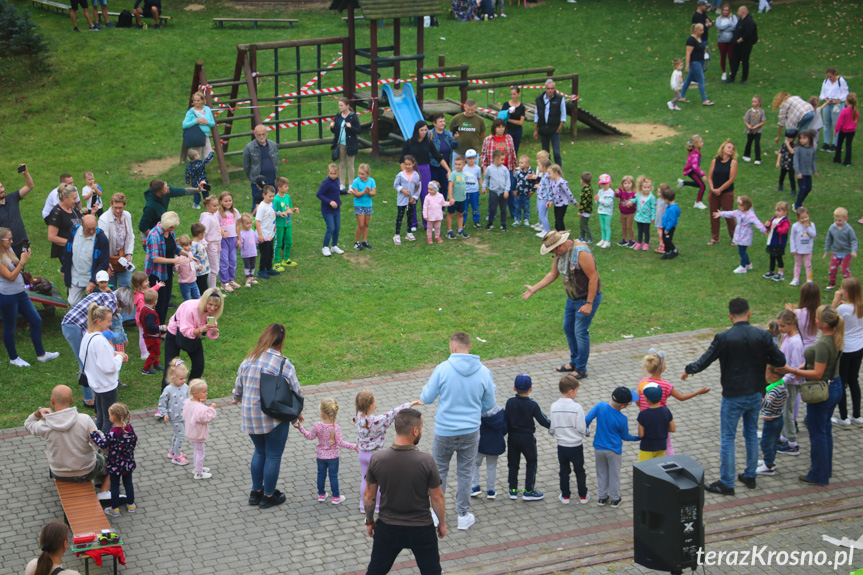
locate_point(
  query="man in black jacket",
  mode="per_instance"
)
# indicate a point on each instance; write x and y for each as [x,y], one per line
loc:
[744,352]
[549,118]
[745,37]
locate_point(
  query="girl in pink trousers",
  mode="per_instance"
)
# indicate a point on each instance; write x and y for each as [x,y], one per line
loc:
[198,415]
[433,211]
[213,236]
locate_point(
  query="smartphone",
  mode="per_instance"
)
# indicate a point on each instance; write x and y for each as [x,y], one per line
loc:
[211,320]
[22,168]
[207,187]
[25,245]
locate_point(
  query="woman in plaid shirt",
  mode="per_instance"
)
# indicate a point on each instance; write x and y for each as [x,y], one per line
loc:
[268,434]
[162,250]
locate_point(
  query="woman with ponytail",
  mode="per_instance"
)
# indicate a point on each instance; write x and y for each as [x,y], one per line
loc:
[822,363]
[54,541]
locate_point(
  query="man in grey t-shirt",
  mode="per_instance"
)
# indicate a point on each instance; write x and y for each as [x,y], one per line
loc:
[408,479]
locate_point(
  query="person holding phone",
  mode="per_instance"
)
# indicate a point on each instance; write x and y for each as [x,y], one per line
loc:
[193,319]
[10,214]
[14,300]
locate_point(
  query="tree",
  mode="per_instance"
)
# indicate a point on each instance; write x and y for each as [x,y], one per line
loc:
[20,44]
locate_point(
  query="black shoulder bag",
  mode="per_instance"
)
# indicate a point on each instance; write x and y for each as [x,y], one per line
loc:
[82,375]
[278,398]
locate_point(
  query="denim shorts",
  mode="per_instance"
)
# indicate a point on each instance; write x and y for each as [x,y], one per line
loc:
[363,210]
[96,3]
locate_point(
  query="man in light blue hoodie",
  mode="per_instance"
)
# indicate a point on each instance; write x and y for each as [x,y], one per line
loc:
[466,390]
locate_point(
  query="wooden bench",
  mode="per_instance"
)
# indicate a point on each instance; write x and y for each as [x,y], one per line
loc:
[254,21]
[84,514]
[65,8]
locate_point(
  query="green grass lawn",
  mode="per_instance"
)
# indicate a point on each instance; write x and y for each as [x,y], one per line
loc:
[118,96]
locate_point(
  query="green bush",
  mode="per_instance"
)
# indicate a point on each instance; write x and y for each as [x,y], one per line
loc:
[21,47]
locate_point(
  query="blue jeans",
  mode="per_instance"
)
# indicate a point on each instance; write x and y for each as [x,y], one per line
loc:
[805,120]
[830,113]
[190,291]
[74,335]
[522,207]
[744,257]
[10,307]
[804,186]
[576,327]
[821,434]
[331,466]
[267,459]
[733,408]
[123,279]
[542,211]
[771,429]
[334,223]
[465,446]
[696,74]
[472,200]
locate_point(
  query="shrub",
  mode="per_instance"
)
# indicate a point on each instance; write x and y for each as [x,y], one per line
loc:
[20,44]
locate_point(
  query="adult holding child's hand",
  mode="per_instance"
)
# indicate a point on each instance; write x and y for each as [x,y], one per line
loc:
[575,265]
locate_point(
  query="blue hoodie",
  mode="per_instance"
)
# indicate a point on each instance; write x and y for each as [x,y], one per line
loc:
[491,432]
[466,390]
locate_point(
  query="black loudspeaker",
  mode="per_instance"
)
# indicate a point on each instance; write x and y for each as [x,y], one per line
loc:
[668,507]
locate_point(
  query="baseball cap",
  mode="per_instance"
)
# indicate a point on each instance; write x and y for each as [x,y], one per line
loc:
[102,276]
[703,3]
[261,181]
[652,392]
[624,395]
[523,382]
[470,153]
[604,179]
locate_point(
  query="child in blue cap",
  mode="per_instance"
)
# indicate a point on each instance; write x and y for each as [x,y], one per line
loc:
[612,428]
[519,414]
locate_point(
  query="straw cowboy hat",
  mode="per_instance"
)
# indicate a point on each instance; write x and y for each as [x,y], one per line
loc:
[552,240]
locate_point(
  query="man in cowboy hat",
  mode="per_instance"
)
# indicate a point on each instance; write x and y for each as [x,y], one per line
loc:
[574,263]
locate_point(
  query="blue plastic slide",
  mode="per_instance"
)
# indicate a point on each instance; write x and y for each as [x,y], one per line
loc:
[404,108]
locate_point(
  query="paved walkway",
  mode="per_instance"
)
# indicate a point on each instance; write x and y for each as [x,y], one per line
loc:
[186,526]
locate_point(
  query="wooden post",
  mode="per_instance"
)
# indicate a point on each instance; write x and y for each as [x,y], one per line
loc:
[420,66]
[347,82]
[250,67]
[573,120]
[349,54]
[463,88]
[397,45]
[374,107]
[196,81]
[441,61]
[235,88]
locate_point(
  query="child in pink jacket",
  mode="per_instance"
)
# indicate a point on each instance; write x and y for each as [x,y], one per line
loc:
[693,169]
[198,415]
[433,211]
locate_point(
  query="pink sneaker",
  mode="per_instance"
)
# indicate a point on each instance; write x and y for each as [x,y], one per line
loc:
[438,240]
[636,246]
[431,241]
[339,499]
[181,460]
[171,454]
[660,250]
[645,246]
[322,498]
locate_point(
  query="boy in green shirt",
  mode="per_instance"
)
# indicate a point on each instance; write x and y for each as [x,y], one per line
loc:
[284,230]
[457,196]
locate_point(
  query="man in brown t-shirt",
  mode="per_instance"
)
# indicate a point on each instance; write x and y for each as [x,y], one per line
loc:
[407,478]
[467,128]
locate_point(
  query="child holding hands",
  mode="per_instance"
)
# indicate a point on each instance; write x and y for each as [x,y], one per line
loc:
[605,200]
[197,416]
[841,244]
[612,429]
[329,436]
[746,220]
[802,238]
[407,185]
[433,208]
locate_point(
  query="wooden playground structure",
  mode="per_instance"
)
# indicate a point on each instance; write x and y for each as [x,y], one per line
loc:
[392,104]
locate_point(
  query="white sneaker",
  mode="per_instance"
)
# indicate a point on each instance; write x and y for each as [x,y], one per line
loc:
[397,240]
[465,521]
[337,250]
[844,423]
[740,270]
[670,105]
[49,355]
[700,205]
[857,420]
[606,244]
[679,183]
[526,222]
[410,237]
[435,520]
[564,500]
[794,283]
[757,162]
[502,15]
[19,362]
[676,107]
[326,252]
[203,475]
[724,76]
[747,159]
[834,419]
[540,234]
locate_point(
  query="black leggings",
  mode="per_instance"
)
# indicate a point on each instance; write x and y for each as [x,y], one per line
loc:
[792,178]
[697,182]
[559,215]
[756,138]
[411,210]
[776,260]
[847,138]
[643,232]
[849,372]
[172,350]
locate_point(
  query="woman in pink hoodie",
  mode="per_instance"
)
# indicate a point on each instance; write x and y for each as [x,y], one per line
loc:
[433,211]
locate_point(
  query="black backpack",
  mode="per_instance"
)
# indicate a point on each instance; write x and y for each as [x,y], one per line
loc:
[124,20]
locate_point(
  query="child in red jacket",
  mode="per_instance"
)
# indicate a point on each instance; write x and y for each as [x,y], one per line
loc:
[149,320]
